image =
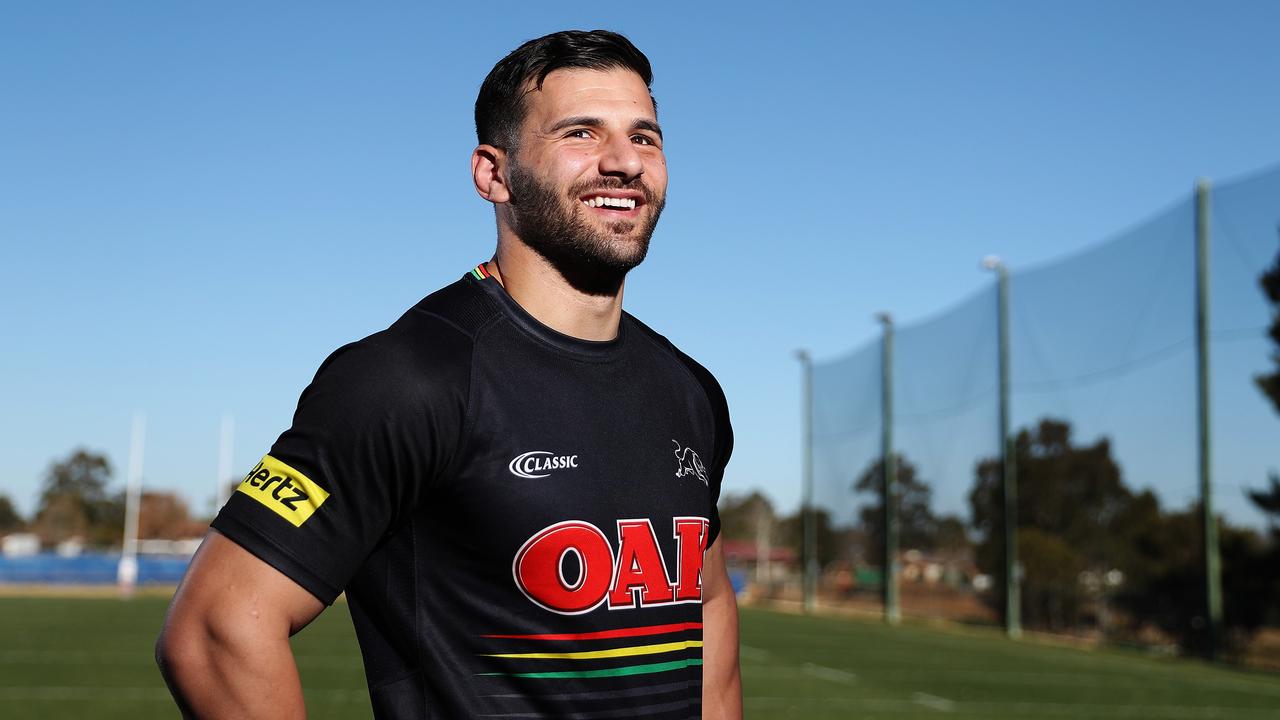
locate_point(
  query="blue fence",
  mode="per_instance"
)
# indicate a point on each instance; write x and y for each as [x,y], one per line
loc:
[89,569]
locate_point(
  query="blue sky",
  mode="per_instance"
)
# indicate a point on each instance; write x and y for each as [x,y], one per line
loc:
[199,203]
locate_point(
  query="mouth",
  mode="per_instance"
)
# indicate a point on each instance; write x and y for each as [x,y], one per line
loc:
[613,203]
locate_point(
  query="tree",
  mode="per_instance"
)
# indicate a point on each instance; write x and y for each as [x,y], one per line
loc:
[917,527]
[1051,579]
[1164,584]
[1270,382]
[164,515]
[741,515]
[1073,493]
[1268,501]
[951,535]
[84,475]
[828,538]
[10,520]
[74,501]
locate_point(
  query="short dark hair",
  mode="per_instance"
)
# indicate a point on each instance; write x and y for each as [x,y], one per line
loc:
[501,106]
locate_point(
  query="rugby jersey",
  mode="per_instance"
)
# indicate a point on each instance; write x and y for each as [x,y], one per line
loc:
[518,517]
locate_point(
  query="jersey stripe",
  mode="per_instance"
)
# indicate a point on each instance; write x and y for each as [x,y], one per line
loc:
[612,653]
[480,272]
[632,711]
[608,672]
[606,634]
[646,691]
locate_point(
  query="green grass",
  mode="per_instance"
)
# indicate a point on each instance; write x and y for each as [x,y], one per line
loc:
[75,658]
[818,668]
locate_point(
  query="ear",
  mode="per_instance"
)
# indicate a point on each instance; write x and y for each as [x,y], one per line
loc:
[488,166]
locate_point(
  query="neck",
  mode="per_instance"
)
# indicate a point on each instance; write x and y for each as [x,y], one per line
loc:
[546,294]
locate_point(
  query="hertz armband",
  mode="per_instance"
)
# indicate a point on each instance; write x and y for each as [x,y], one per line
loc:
[283,490]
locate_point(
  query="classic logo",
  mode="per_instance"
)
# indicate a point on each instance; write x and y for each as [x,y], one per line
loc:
[283,490]
[689,463]
[540,463]
[635,576]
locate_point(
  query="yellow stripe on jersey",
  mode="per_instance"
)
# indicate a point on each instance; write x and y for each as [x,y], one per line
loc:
[615,652]
[283,490]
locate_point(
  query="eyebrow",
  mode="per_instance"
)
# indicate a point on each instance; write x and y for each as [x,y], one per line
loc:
[641,124]
[649,125]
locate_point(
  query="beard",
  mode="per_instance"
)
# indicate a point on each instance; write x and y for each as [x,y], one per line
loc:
[591,258]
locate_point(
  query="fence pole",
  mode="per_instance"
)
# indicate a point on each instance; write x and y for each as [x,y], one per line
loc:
[1009,470]
[807,519]
[889,466]
[1212,567]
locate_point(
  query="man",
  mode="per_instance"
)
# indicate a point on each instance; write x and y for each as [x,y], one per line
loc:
[515,483]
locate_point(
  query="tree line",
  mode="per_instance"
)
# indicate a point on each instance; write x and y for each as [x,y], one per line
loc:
[76,503]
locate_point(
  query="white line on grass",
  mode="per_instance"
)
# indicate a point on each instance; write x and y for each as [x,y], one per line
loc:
[753,654]
[831,674]
[933,702]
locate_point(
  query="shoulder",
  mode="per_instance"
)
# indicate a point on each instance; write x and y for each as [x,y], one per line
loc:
[723,427]
[703,376]
[425,353]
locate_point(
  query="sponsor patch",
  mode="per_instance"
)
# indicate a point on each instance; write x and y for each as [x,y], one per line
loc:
[283,490]
[540,463]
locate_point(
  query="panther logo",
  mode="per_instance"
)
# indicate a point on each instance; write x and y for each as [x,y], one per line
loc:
[689,463]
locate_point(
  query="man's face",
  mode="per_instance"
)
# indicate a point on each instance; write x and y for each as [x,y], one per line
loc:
[589,179]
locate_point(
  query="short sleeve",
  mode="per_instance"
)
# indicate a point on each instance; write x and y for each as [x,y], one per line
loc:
[722,434]
[723,450]
[372,432]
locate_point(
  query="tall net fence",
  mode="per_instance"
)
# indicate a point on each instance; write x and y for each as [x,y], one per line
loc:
[1103,415]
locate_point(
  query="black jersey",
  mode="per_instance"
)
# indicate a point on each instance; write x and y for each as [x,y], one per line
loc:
[518,517]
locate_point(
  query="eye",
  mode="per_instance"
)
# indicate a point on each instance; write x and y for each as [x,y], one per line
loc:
[643,140]
[583,133]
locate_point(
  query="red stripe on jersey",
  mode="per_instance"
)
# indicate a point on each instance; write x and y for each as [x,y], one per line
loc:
[606,634]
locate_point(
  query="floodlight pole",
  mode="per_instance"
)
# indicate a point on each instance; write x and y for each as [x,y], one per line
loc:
[1209,524]
[127,571]
[889,466]
[807,515]
[1009,471]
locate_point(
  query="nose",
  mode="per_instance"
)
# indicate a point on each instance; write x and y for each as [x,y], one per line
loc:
[620,158]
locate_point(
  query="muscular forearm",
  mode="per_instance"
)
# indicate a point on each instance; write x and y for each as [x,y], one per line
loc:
[722,682]
[721,679]
[224,650]
[214,674]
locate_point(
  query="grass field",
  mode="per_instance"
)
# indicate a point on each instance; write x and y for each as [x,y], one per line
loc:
[91,658]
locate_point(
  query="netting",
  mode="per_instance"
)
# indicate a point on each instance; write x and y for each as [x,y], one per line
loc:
[1103,378]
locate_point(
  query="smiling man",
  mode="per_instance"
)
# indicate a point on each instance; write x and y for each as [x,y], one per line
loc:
[515,484]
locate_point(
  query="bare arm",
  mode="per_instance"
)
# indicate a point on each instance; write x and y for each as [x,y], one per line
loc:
[224,649]
[721,681]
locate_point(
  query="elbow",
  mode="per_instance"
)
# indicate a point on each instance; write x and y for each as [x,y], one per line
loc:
[167,651]
[172,648]
[185,653]
[181,653]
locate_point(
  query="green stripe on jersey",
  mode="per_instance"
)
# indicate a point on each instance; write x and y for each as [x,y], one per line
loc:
[608,672]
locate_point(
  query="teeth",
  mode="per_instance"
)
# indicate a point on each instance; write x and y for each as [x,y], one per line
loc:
[601,201]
